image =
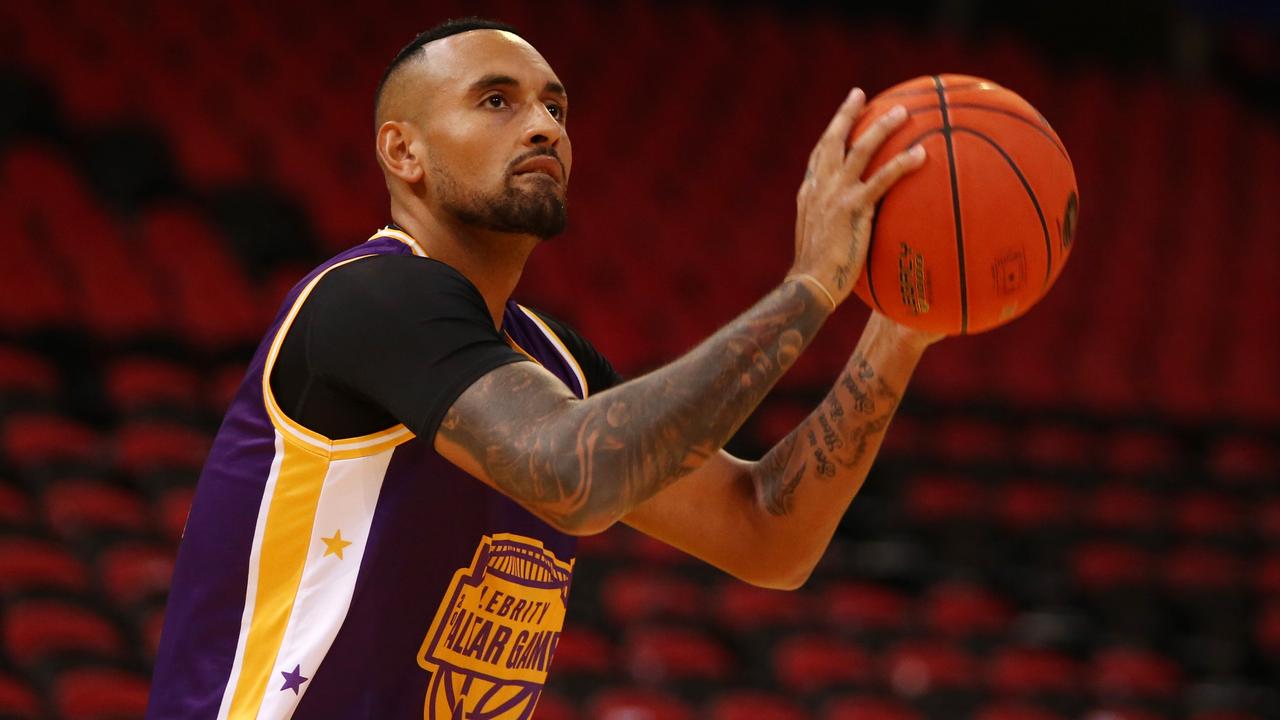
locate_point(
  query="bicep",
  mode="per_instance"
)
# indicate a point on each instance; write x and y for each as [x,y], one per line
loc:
[504,429]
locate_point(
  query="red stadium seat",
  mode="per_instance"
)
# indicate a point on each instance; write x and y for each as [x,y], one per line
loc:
[1053,445]
[100,694]
[142,383]
[1030,505]
[32,564]
[26,375]
[15,507]
[809,664]
[753,705]
[172,510]
[553,706]
[1122,713]
[1133,672]
[132,572]
[1032,671]
[932,499]
[869,708]
[1014,711]
[1125,508]
[1200,569]
[215,304]
[633,595]
[581,650]
[1267,632]
[1207,513]
[961,610]
[1109,565]
[85,506]
[1139,452]
[675,654]
[1244,456]
[148,446]
[744,607]
[629,704]
[964,440]
[920,667]
[1266,575]
[18,700]
[863,606]
[38,630]
[38,440]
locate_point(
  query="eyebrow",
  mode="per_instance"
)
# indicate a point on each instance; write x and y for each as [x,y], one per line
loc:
[494,80]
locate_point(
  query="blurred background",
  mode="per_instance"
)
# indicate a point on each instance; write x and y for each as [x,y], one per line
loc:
[1076,516]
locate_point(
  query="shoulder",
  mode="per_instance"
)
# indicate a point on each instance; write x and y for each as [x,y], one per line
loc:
[385,282]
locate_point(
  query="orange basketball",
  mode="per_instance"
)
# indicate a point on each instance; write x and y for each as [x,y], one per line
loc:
[978,234]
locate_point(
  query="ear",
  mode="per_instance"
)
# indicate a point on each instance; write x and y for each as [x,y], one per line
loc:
[396,151]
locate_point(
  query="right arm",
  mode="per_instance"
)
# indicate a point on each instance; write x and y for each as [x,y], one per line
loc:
[583,464]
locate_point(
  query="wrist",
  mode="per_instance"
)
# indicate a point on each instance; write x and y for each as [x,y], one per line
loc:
[906,338]
[816,287]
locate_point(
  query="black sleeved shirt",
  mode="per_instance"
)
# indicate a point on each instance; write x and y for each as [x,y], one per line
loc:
[396,339]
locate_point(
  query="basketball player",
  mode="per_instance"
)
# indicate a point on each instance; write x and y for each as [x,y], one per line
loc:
[385,524]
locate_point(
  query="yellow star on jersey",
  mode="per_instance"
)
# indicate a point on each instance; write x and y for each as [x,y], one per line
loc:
[334,545]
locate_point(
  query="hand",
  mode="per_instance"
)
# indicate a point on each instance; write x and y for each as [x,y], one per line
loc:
[835,206]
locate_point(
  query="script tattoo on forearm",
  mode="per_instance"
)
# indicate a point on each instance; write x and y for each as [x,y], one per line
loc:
[575,462]
[833,438]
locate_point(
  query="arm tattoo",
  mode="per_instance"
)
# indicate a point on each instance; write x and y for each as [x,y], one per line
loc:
[582,463]
[836,439]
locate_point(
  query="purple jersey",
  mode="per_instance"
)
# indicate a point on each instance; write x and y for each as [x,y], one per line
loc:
[366,577]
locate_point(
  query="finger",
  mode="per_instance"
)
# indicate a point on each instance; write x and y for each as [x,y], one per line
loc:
[892,171]
[866,144]
[830,148]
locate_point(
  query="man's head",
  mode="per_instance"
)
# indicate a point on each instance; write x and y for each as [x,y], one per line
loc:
[470,121]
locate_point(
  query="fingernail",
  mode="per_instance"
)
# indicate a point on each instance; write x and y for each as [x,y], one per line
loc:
[897,113]
[855,94]
[917,152]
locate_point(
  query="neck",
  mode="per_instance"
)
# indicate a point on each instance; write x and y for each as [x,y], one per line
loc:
[492,261]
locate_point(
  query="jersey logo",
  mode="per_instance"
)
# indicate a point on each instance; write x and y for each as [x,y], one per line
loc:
[491,642]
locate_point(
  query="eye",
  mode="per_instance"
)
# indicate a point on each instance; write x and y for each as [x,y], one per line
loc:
[556,111]
[496,102]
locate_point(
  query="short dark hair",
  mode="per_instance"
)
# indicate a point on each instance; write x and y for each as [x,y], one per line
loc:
[443,30]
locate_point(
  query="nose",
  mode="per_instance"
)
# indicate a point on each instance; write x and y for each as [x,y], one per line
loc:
[542,128]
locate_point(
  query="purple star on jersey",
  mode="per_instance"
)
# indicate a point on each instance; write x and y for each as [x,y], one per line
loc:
[293,680]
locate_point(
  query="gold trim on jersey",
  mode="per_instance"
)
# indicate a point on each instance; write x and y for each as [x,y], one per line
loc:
[285,542]
[560,347]
[403,237]
[308,439]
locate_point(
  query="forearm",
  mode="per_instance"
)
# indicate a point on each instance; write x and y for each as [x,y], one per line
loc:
[804,484]
[584,464]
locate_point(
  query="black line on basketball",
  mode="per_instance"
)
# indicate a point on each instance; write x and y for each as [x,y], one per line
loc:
[955,204]
[871,248]
[928,91]
[1038,127]
[1044,226]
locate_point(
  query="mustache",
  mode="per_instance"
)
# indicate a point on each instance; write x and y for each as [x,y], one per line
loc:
[538,152]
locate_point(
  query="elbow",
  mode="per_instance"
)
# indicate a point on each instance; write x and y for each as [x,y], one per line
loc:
[585,526]
[786,576]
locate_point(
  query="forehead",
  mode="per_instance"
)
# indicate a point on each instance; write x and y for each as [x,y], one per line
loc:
[461,59]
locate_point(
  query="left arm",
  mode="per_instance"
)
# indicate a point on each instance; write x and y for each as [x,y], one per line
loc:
[769,522]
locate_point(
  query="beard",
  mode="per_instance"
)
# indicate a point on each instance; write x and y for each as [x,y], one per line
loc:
[536,209]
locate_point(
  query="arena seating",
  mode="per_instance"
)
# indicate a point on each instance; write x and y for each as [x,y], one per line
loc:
[1076,516]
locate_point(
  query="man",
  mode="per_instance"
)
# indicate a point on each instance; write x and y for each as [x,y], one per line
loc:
[385,525]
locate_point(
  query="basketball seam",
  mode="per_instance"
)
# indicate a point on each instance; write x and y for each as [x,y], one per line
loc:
[955,204]
[1035,202]
[1038,127]
[927,91]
